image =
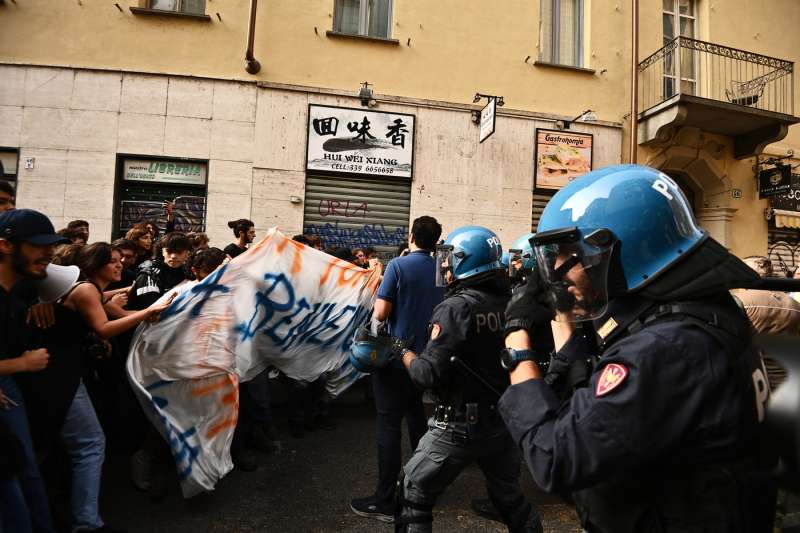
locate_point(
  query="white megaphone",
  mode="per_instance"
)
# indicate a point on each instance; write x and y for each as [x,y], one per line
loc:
[58,281]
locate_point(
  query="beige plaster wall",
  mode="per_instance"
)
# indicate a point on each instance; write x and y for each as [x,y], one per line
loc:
[447,50]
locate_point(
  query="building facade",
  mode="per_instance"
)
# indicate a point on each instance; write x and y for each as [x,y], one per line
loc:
[107,109]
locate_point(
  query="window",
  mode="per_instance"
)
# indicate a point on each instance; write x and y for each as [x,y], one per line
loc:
[561,32]
[371,18]
[8,162]
[679,18]
[191,7]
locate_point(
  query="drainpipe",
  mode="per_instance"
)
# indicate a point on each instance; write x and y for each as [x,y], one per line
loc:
[252,66]
[634,144]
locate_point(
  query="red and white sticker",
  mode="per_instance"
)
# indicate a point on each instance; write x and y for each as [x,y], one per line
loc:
[612,377]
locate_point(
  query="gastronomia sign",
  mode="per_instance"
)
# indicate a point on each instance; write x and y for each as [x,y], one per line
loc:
[355,141]
[561,157]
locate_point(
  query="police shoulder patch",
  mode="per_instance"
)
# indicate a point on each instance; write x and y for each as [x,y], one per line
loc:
[612,377]
[435,330]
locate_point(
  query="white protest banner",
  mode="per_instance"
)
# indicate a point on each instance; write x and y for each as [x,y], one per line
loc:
[280,303]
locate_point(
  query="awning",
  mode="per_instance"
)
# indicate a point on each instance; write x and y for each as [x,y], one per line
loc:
[787,219]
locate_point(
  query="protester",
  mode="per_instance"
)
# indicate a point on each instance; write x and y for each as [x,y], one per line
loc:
[141,236]
[302,239]
[205,261]
[26,248]
[161,273]
[199,241]
[66,412]
[244,230]
[314,241]
[81,227]
[75,236]
[8,196]
[406,299]
[128,251]
[360,257]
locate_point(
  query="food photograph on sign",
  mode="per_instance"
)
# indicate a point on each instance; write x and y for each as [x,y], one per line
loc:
[356,141]
[561,157]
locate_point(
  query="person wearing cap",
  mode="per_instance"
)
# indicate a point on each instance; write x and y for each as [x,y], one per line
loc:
[27,241]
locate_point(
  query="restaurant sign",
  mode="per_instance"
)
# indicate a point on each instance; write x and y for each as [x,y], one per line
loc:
[160,171]
[774,181]
[356,141]
[561,156]
[790,199]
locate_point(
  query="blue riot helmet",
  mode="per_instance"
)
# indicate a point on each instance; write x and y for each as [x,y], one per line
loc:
[370,351]
[631,217]
[522,260]
[467,252]
[505,258]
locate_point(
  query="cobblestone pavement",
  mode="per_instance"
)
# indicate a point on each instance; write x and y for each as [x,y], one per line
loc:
[305,488]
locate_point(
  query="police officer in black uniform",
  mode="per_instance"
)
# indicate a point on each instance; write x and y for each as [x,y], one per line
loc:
[460,365]
[667,435]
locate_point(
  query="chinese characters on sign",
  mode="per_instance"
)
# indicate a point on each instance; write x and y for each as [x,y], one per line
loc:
[561,157]
[373,143]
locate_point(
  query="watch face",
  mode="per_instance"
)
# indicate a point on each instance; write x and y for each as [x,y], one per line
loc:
[506,359]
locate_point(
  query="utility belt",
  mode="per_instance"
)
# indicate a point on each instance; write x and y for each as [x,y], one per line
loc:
[469,413]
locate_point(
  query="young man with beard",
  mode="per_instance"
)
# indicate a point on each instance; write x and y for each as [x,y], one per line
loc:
[27,240]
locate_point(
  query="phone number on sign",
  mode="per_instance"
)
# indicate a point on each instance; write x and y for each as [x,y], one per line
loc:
[358,168]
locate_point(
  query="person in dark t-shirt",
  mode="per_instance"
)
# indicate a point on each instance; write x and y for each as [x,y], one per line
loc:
[244,230]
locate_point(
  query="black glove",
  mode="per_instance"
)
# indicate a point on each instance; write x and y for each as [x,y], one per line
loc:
[527,308]
[399,346]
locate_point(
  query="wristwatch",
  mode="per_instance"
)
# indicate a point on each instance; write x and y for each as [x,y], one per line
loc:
[510,358]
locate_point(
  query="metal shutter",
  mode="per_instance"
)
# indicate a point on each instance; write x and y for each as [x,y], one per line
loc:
[144,201]
[358,212]
[540,199]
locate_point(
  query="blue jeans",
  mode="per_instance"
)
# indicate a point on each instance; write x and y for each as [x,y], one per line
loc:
[86,446]
[35,503]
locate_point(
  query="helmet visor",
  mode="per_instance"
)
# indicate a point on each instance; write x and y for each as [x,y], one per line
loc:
[515,262]
[445,261]
[575,271]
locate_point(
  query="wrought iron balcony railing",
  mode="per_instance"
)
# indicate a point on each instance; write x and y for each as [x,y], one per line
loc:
[706,70]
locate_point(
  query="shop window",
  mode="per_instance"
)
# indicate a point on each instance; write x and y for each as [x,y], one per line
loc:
[369,18]
[189,7]
[561,32]
[9,159]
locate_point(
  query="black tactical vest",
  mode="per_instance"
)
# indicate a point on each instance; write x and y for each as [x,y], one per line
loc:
[481,352]
[732,495]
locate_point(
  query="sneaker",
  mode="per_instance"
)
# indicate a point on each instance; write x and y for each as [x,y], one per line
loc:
[485,509]
[369,508]
[141,468]
[244,460]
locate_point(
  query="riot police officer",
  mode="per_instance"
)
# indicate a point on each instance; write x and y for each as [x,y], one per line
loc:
[667,436]
[460,365]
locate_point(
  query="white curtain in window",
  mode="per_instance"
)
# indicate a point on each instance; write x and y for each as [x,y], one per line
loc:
[546,31]
[569,19]
[165,5]
[378,17]
[346,16]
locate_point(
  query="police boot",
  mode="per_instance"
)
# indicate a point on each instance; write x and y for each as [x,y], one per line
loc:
[485,509]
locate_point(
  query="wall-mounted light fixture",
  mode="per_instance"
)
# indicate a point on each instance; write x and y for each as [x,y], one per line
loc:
[365,94]
[476,115]
[295,199]
[586,116]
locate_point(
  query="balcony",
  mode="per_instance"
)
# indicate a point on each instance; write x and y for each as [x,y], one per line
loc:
[742,95]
